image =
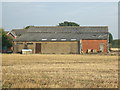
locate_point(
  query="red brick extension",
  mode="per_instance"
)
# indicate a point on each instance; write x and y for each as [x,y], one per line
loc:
[94,44]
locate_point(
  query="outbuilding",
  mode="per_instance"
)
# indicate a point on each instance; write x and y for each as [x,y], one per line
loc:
[61,40]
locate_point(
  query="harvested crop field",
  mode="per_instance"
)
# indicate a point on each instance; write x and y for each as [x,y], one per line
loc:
[59,71]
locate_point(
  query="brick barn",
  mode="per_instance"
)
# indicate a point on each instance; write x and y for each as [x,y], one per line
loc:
[61,40]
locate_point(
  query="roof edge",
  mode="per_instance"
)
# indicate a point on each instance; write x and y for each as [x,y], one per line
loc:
[67,26]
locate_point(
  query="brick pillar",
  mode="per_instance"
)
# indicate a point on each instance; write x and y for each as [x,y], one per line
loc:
[108,44]
[25,45]
[80,46]
[34,47]
[14,47]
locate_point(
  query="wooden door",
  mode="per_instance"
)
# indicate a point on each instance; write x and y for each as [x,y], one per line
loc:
[102,47]
[38,48]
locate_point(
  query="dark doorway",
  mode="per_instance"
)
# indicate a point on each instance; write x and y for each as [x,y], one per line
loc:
[38,48]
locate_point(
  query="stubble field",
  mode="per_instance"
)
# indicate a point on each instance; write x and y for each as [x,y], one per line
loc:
[59,71]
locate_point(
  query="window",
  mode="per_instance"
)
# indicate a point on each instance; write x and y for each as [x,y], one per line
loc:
[73,39]
[53,39]
[44,39]
[63,39]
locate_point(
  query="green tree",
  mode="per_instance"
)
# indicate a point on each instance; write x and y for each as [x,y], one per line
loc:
[28,27]
[6,40]
[116,43]
[110,40]
[66,23]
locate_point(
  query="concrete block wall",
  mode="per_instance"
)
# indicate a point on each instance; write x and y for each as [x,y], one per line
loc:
[31,47]
[18,47]
[64,47]
[59,47]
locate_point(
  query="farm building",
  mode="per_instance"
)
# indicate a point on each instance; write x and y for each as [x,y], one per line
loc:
[61,40]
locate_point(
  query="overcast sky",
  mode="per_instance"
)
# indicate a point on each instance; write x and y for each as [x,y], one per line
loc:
[60,0]
[21,14]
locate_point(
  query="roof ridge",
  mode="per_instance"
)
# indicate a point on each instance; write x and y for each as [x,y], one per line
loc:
[65,26]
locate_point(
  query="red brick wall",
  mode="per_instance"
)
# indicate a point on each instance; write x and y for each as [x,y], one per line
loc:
[93,44]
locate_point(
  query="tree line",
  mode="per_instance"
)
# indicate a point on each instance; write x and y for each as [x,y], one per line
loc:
[6,40]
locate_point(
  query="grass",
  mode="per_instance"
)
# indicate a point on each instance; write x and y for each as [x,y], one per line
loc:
[59,71]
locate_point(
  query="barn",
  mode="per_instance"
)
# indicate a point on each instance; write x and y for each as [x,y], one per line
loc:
[61,40]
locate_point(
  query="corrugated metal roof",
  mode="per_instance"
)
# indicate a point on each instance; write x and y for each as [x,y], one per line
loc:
[19,32]
[49,36]
[60,33]
[69,29]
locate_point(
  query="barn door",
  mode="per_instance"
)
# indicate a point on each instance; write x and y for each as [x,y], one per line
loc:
[102,47]
[38,48]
